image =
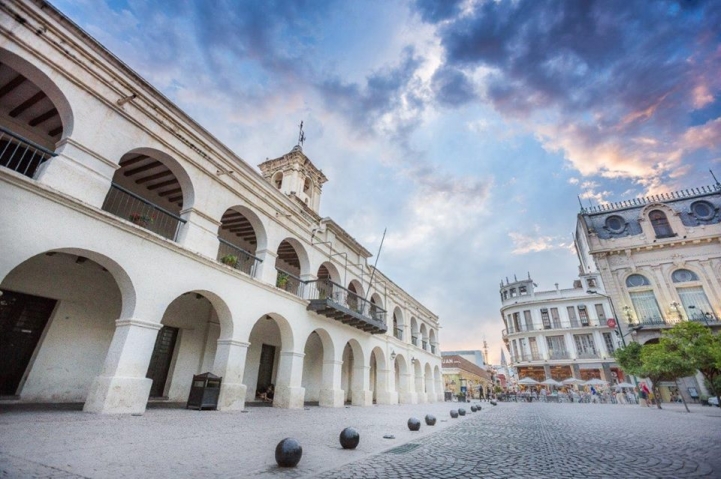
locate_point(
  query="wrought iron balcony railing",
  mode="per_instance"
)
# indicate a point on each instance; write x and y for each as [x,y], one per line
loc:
[238,258]
[20,154]
[558,355]
[588,355]
[289,282]
[136,209]
[335,301]
[398,333]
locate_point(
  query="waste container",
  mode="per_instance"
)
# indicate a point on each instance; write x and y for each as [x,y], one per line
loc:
[204,392]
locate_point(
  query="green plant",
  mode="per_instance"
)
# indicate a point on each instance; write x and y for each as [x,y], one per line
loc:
[230,260]
[282,279]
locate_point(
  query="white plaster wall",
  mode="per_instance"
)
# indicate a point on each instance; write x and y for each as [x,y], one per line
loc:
[347,373]
[79,331]
[312,368]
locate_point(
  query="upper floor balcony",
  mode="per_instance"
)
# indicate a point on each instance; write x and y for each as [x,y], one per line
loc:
[20,154]
[334,301]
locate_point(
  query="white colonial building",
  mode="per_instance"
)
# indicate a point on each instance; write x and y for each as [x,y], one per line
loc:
[660,260]
[561,333]
[138,250]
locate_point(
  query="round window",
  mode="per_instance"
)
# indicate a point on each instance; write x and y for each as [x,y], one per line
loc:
[615,224]
[703,210]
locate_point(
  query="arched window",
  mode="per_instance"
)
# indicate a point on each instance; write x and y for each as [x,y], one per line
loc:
[683,276]
[306,186]
[278,180]
[660,224]
[636,280]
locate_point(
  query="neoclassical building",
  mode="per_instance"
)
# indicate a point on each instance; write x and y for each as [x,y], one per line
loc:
[138,250]
[659,258]
[561,333]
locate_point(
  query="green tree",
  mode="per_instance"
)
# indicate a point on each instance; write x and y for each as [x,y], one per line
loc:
[701,348]
[664,362]
[629,358]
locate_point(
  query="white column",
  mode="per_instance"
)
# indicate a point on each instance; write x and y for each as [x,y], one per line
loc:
[360,387]
[78,172]
[266,270]
[420,393]
[288,391]
[122,386]
[331,395]
[230,365]
[405,393]
[199,233]
[385,395]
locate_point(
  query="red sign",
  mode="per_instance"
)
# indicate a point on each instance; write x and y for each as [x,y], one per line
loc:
[611,323]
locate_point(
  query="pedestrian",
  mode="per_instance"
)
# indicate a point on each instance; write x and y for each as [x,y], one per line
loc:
[646,394]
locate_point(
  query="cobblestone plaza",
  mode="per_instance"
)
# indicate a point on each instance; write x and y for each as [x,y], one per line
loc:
[510,440]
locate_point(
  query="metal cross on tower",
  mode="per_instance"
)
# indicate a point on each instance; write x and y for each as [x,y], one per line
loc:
[301,135]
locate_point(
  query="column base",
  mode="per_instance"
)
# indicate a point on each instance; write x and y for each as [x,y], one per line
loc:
[232,397]
[408,398]
[331,398]
[289,398]
[387,397]
[117,395]
[422,398]
[362,397]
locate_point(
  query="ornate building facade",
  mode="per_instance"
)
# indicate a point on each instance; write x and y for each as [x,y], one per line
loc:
[659,258]
[138,251]
[561,333]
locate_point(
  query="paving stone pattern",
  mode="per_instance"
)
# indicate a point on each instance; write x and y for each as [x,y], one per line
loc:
[559,441]
[507,441]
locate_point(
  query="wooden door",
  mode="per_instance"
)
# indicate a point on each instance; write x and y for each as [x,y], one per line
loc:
[22,321]
[160,360]
[265,370]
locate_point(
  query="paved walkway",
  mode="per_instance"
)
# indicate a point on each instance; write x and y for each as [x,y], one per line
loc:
[510,440]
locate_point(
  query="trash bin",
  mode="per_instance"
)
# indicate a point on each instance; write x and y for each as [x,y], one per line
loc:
[204,392]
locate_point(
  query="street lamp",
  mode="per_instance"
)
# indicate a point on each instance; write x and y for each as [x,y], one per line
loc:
[613,311]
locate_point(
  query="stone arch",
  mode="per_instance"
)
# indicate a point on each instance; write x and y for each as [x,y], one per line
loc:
[296,261]
[241,234]
[401,376]
[377,300]
[432,340]
[74,297]
[328,271]
[319,357]
[424,336]
[352,371]
[415,331]
[356,287]
[378,371]
[151,189]
[271,334]
[56,97]
[418,376]
[398,324]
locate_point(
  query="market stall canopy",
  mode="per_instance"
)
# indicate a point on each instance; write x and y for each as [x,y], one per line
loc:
[571,381]
[528,382]
[625,385]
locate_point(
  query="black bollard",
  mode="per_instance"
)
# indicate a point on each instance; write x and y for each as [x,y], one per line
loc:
[414,424]
[288,452]
[430,420]
[478,408]
[473,409]
[454,414]
[461,411]
[349,438]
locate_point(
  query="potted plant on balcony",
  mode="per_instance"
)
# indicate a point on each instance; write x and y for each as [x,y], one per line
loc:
[141,219]
[282,279]
[230,259]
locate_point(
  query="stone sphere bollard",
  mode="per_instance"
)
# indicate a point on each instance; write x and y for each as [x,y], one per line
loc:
[414,424]
[461,411]
[478,408]
[430,420]
[473,409]
[288,452]
[454,414]
[349,438]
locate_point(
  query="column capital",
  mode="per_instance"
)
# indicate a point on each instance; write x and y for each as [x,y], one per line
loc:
[140,323]
[234,342]
[292,354]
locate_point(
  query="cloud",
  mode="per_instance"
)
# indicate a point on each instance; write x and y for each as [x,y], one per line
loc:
[534,243]
[610,84]
[451,87]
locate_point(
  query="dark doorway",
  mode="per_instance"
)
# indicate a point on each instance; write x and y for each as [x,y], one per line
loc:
[22,320]
[265,370]
[160,360]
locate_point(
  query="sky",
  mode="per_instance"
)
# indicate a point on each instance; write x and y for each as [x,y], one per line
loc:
[468,128]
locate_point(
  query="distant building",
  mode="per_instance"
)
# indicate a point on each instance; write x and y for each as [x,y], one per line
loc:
[660,260]
[475,356]
[561,333]
[462,376]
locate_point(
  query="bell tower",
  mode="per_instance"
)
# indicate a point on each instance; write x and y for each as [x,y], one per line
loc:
[296,176]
